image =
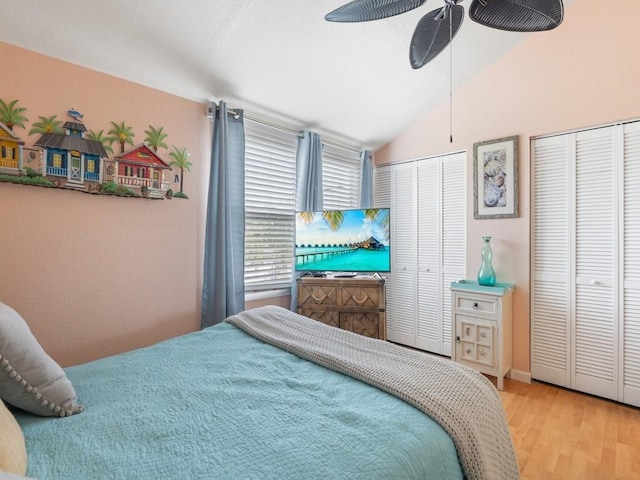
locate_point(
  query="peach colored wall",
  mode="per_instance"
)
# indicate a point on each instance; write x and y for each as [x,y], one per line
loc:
[584,73]
[96,275]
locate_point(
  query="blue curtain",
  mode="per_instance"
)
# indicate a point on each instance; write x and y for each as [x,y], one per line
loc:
[223,282]
[366,185]
[308,186]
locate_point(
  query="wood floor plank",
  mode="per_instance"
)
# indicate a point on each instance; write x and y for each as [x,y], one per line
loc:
[566,435]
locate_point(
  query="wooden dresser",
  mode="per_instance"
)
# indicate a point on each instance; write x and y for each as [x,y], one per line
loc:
[355,304]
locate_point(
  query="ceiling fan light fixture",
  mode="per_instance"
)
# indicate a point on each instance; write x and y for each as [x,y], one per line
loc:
[518,15]
[367,10]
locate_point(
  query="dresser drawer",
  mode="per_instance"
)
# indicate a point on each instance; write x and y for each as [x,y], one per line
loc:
[358,296]
[317,295]
[474,305]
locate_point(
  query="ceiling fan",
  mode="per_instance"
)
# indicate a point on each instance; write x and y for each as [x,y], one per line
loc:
[437,28]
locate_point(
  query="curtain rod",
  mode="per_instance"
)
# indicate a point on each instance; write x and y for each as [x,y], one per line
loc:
[297,133]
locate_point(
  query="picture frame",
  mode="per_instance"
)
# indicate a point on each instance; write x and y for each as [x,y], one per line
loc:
[495,178]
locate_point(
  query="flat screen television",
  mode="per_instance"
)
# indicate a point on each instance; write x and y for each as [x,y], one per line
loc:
[354,241]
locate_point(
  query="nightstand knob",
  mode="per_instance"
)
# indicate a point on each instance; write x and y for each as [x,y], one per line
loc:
[475,305]
[457,339]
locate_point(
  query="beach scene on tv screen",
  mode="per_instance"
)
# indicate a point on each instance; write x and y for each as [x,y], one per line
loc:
[343,240]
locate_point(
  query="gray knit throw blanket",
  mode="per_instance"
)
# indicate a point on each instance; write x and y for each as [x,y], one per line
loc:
[460,399]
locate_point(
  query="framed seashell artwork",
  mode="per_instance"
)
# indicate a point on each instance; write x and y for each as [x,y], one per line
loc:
[495,178]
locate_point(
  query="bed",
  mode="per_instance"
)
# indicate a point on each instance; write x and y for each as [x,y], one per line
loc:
[269,394]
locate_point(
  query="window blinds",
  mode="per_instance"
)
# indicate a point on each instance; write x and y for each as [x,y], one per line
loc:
[270,184]
[270,169]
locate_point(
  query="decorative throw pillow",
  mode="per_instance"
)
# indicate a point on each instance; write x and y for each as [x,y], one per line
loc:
[13,453]
[29,378]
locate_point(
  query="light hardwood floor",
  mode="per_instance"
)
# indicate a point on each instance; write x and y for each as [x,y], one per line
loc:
[562,434]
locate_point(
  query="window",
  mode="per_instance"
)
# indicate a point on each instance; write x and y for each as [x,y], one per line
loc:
[57,160]
[270,189]
[270,183]
[341,177]
[91,166]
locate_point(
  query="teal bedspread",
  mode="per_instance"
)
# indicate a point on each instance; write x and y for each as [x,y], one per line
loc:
[220,404]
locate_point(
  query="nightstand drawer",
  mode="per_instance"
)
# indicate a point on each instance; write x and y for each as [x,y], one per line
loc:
[475,306]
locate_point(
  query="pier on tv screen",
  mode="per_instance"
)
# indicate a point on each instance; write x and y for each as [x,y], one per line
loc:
[356,240]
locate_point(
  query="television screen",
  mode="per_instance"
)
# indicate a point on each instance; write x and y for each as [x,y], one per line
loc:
[343,241]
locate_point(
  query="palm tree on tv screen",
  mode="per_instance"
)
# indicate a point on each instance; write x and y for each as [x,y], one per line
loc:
[380,217]
[334,218]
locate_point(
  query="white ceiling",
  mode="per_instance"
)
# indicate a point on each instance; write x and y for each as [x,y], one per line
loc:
[278,59]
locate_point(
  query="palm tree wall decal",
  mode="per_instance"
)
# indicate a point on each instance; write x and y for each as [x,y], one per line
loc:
[122,133]
[180,160]
[11,115]
[98,137]
[155,137]
[46,125]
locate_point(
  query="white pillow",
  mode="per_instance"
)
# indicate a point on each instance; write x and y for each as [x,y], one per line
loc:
[13,452]
[29,378]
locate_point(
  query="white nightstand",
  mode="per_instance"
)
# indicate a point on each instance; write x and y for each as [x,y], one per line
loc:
[481,330]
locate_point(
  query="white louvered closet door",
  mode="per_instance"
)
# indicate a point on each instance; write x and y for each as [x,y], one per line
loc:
[404,254]
[551,260]
[382,199]
[428,224]
[429,318]
[630,352]
[595,317]
[453,238]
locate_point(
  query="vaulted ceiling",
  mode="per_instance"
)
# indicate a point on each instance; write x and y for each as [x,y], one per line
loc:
[278,59]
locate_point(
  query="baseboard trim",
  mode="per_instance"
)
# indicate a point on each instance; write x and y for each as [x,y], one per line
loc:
[520,376]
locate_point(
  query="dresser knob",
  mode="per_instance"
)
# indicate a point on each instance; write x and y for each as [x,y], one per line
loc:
[475,305]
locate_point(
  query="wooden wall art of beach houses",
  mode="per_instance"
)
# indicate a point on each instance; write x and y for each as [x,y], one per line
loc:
[11,150]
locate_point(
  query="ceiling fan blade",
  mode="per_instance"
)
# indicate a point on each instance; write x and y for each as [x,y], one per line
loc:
[518,15]
[366,10]
[432,36]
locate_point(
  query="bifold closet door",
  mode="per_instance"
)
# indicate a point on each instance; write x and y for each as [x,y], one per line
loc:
[441,246]
[429,318]
[403,253]
[382,199]
[551,260]
[595,316]
[575,262]
[395,187]
[428,243]
[630,298]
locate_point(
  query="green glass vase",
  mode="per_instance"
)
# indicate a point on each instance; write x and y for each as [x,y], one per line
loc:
[486,274]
